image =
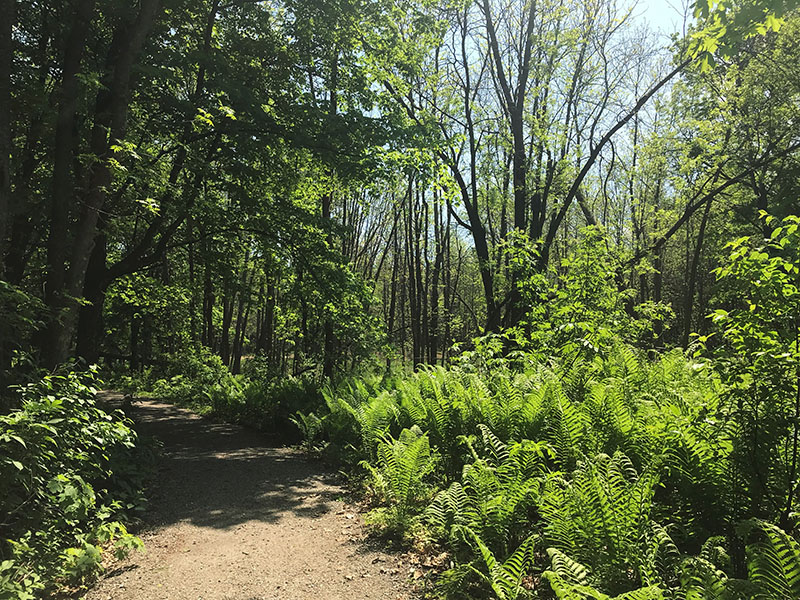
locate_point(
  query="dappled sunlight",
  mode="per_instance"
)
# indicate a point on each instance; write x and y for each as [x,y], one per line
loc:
[219,475]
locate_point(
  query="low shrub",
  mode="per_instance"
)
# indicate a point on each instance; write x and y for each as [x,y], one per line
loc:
[72,477]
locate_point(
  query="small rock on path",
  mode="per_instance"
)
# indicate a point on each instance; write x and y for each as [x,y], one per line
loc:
[233,519]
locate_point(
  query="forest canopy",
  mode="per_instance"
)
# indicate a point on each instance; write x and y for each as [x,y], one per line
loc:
[320,181]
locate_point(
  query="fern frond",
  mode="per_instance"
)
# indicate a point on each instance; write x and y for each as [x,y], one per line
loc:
[569,570]
[505,579]
[493,444]
[773,562]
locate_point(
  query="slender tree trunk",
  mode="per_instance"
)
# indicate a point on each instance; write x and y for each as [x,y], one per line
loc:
[90,321]
[329,344]
[7,8]
[6,51]
[243,313]
[433,339]
[269,324]
[208,307]
[135,337]
[237,356]
[390,318]
[447,293]
[689,299]
[402,313]
[192,284]
[228,303]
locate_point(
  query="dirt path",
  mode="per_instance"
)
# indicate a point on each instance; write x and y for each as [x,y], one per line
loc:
[233,519]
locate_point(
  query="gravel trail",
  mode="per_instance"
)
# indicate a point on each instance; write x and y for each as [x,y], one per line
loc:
[231,518]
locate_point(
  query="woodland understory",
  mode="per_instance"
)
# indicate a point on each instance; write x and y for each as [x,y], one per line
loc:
[528,271]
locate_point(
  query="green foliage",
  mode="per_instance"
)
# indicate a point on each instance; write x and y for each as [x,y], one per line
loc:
[21,315]
[619,463]
[259,398]
[495,495]
[569,580]
[773,560]
[601,517]
[758,357]
[773,567]
[71,474]
[504,578]
[632,468]
[582,310]
[725,24]
[402,466]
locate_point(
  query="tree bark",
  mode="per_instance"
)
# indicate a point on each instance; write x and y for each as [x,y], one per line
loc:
[90,321]
[689,300]
[7,8]
[111,111]
[62,184]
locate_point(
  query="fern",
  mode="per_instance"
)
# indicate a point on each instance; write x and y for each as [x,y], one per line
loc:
[494,495]
[660,558]
[402,465]
[602,517]
[568,432]
[503,409]
[773,565]
[701,579]
[773,561]
[624,364]
[451,507]
[496,448]
[310,426]
[570,580]
[505,579]
[567,569]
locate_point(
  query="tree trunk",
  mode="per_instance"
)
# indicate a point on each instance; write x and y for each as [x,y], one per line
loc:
[329,346]
[242,315]
[7,8]
[54,347]
[111,111]
[433,338]
[135,337]
[689,300]
[228,303]
[329,343]
[208,308]
[90,322]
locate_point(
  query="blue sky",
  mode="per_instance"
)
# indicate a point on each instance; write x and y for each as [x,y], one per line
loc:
[663,15]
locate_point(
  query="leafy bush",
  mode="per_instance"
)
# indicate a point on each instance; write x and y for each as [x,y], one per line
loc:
[71,473]
[199,380]
[758,357]
[21,315]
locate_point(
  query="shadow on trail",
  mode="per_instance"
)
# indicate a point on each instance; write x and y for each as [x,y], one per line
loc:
[220,476]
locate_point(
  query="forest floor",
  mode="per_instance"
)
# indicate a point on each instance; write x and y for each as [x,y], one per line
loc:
[231,518]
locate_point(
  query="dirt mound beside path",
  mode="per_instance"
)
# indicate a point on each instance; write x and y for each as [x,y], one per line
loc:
[233,519]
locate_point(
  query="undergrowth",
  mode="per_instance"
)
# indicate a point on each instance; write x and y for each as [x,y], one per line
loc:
[578,467]
[556,459]
[199,380]
[72,476]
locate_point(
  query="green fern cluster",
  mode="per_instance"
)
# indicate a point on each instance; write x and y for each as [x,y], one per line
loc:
[600,515]
[624,468]
[495,496]
[398,477]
